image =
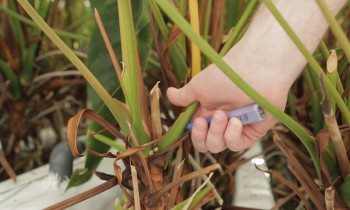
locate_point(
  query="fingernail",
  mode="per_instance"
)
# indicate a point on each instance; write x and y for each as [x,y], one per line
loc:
[198,126]
[217,119]
[236,123]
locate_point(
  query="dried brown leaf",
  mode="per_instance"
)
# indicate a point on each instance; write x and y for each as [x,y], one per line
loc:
[301,174]
[289,184]
[135,185]
[7,167]
[84,196]
[155,112]
[109,47]
[185,178]
[73,124]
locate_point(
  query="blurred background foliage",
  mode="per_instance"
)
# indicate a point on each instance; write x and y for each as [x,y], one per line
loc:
[40,89]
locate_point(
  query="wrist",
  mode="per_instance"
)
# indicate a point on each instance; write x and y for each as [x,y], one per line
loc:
[258,68]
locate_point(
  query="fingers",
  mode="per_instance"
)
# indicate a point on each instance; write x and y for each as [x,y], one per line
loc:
[180,97]
[215,138]
[211,139]
[224,133]
[199,134]
[238,138]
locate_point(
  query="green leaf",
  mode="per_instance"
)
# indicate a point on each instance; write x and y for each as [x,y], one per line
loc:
[132,79]
[101,66]
[178,128]
[80,176]
[345,191]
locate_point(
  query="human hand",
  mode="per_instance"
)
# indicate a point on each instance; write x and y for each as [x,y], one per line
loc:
[217,94]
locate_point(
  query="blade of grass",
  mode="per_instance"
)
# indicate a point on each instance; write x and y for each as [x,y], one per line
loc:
[311,60]
[196,166]
[117,108]
[206,25]
[303,135]
[190,199]
[217,23]
[119,146]
[14,86]
[336,28]
[132,78]
[17,29]
[315,108]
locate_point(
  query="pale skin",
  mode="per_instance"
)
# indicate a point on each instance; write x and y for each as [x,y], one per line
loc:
[268,60]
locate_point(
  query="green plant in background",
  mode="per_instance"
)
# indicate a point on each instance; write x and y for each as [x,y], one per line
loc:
[132,116]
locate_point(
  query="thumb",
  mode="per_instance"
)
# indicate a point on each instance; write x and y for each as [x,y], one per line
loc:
[180,97]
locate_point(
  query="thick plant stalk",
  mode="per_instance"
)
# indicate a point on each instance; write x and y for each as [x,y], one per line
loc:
[196,54]
[336,28]
[333,129]
[329,198]
[206,49]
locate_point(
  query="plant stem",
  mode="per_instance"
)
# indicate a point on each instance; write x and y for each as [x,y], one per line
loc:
[336,28]
[334,78]
[334,131]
